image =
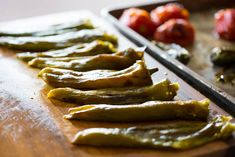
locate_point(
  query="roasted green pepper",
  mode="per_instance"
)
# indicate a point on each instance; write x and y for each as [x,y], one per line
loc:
[135,75]
[181,135]
[164,90]
[79,50]
[151,110]
[56,41]
[223,56]
[50,30]
[117,61]
[175,51]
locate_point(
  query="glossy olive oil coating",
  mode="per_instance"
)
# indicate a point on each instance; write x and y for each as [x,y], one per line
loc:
[148,111]
[117,61]
[176,135]
[56,41]
[163,90]
[51,29]
[136,75]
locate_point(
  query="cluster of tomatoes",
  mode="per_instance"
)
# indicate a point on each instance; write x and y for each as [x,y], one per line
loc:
[170,23]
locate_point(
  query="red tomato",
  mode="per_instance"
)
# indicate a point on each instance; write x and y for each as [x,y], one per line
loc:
[177,31]
[225,24]
[170,11]
[138,20]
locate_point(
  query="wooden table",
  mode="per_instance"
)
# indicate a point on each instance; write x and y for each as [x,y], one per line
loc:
[31,125]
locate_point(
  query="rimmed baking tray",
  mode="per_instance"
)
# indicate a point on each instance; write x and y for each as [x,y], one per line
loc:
[199,72]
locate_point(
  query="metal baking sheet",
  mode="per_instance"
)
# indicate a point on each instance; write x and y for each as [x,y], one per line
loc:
[199,72]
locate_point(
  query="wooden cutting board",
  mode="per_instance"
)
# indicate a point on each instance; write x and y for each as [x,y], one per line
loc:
[31,125]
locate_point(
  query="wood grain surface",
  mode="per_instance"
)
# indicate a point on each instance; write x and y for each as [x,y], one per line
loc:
[33,126]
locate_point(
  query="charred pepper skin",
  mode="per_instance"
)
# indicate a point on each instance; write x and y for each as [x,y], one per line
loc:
[56,41]
[117,61]
[51,30]
[180,136]
[163,90]
[79,50]
[135,75]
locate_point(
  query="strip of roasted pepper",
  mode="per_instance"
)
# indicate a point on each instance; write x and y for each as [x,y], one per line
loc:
[151,110]
[117,61]
[79,50]
[135,75]
[56,41]
[163,90]
[176,135]
[51,29]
